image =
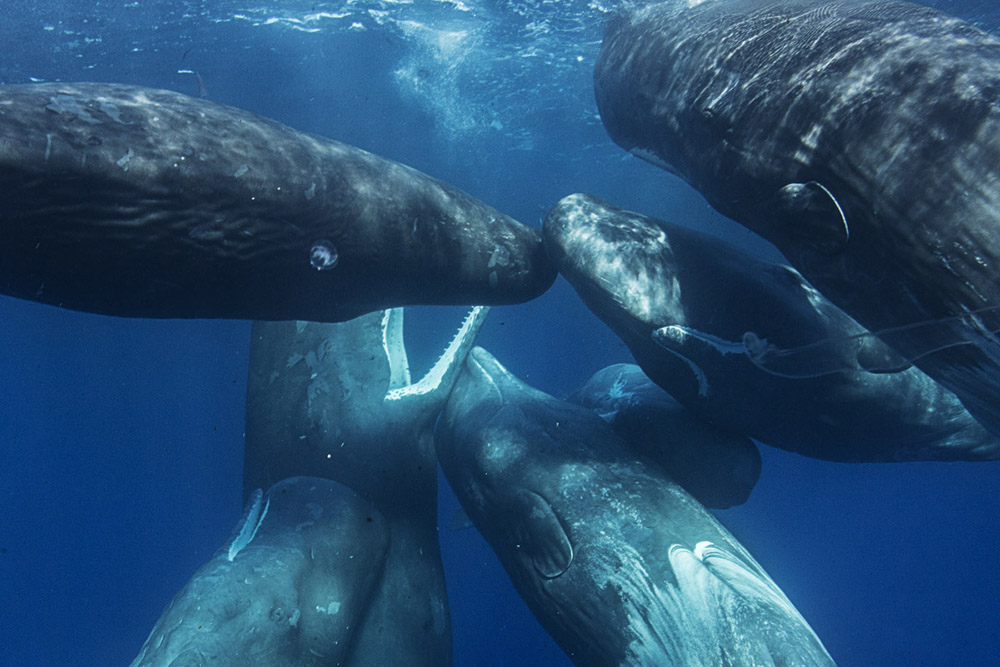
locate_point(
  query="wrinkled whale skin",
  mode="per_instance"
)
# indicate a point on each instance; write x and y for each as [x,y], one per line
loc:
[618,563]
[640,275]
[861,138]
[131,201]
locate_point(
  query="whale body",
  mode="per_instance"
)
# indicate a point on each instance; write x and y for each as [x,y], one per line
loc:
[699,315]
[861,138]
[617,562]
[718,468]
[285,591]
[132,201]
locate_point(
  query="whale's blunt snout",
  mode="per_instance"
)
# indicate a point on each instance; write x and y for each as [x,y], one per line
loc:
[569,213]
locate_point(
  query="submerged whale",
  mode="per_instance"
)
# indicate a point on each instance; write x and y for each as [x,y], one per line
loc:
[131,201]
[861,138]
[334,402]
[617,562]
[337,401]
[286,590]
[719,469]
[698,314]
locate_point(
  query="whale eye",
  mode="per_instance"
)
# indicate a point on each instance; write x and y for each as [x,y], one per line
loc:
[323,256]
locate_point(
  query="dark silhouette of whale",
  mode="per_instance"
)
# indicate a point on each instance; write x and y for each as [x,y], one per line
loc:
[131,201]
[861,138]
[698,313]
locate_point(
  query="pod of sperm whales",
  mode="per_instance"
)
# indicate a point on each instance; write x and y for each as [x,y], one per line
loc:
[697,312]
[131,201]
[719,469]
[337,401]
[618,563]
[861,138]
[286,590]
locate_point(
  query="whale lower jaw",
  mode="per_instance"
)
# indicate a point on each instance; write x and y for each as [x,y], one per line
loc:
[444,371]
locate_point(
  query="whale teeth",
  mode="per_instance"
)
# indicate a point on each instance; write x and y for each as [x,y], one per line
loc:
[460,344]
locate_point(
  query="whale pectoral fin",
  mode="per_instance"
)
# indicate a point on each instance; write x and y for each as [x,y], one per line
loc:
[723,588]
[249,523]
[542,537]
[812,214]
[875,356]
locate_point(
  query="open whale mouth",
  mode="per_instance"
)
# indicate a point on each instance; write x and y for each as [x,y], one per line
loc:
[443,372]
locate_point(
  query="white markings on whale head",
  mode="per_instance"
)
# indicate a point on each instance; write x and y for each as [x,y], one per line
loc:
[331,609]
[622,261]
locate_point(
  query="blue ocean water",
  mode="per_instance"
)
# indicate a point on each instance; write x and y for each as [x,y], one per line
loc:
[121,440]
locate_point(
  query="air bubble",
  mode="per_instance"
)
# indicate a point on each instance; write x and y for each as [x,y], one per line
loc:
[323,256]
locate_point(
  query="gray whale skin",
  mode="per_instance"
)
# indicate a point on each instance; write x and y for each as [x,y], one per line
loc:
[618,563]
[131,201]
[861,138]
[337,401]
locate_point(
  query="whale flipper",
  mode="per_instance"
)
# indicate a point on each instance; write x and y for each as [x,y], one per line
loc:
[545,540]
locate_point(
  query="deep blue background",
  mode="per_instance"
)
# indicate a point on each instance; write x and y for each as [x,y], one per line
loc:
[121,440]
